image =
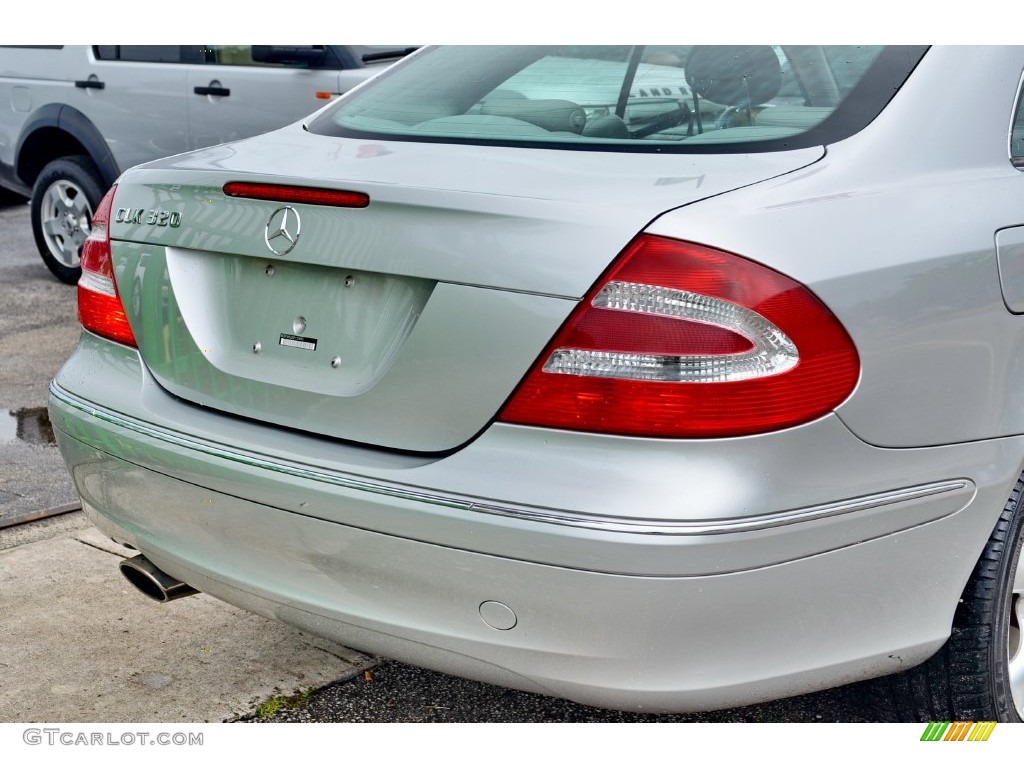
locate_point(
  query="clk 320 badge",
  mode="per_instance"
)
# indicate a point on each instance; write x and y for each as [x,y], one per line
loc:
[155,218]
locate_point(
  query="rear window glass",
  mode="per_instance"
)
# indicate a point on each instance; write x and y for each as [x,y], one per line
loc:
[687,98]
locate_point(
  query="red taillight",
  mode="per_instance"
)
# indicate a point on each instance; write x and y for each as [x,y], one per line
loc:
[682,340]
[99,305]
[286,193]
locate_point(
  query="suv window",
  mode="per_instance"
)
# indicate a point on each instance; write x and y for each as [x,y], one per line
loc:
[154,54]
[687,98]
[235,55]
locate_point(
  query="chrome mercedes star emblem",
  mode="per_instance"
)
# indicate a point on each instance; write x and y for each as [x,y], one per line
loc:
[283,229]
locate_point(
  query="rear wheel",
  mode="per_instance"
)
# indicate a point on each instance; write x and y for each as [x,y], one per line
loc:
[63,201]
[979,673]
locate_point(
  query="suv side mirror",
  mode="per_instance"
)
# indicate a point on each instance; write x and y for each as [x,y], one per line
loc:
[295,55]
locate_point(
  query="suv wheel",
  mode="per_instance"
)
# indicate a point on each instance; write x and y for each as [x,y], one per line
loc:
[63,200]
[979,673]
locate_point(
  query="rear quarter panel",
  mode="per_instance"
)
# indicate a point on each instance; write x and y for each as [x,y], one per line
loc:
[895,230]
[30,77]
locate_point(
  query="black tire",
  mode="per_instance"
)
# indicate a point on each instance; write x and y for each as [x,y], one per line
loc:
[64,198]
[969,678]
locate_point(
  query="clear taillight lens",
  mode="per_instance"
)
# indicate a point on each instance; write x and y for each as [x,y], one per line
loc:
[99,306]
[769,351]
[682,340]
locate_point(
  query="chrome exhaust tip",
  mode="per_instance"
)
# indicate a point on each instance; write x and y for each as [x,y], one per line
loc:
[152,582]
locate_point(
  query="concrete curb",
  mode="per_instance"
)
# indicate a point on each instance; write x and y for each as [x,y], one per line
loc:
[29,517]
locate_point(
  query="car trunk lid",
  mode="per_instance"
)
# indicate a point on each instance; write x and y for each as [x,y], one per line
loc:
[404,324]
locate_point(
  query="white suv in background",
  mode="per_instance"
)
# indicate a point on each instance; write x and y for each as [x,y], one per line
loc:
[73,117]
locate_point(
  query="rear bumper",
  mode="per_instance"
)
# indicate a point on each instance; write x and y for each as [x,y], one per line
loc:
[680,610]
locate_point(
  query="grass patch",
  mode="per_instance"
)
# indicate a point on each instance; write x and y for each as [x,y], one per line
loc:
[275,704]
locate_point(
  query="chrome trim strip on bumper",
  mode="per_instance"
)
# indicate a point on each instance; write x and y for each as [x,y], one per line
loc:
[647,526]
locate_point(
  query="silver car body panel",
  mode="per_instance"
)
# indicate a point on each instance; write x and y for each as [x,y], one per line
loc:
[295,91]
[155,124]
[534,221]
[643,573]
[399,294]
[712,544]
[909,266]
[348,543]
[725,481]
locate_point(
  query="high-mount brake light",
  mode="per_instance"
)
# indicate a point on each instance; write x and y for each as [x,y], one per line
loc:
[685,341]
[99,305]
[287,193]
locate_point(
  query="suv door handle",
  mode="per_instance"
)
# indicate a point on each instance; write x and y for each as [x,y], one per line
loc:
[98,84]
[211,90]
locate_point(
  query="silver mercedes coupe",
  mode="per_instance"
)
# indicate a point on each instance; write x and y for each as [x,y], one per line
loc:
[667,378]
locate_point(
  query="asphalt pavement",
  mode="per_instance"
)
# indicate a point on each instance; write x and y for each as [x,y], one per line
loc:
[38,330]
[78,644]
